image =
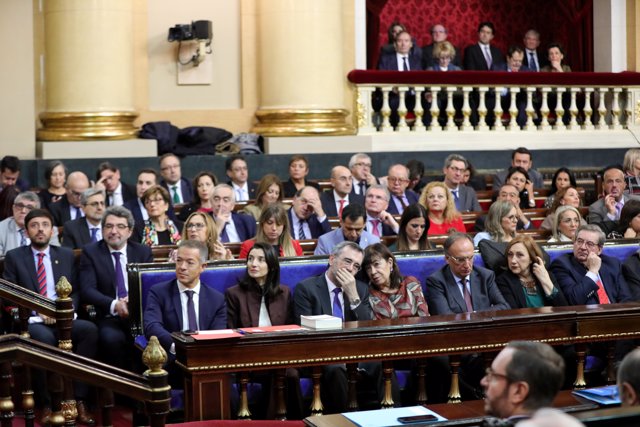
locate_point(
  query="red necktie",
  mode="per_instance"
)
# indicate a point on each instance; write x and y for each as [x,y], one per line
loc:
[341,208]
[42,275]
[602,294]
[375,230]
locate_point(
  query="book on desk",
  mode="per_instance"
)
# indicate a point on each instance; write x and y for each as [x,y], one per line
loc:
[607,395]
[321,321]
[377,418]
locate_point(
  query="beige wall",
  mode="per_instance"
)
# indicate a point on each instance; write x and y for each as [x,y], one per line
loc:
[17,123]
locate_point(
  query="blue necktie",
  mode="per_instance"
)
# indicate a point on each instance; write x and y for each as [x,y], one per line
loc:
[120,288]
[78,213]
[337,307]
[224,237]
[191,311]
[532,62]
[94,235]
[456,198]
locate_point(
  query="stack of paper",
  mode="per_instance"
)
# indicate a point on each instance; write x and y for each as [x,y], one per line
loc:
[322,321]
[607,395]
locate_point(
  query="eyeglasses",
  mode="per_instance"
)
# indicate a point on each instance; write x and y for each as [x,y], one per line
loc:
[196,225]
[362,165]
[512,217]
[156,200]
[22,206]
[76,194]
[590,244]
[348,262]
[490,374]
[95,204]
[461,259]
[112,226]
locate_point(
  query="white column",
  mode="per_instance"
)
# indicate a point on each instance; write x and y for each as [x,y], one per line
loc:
[610,35]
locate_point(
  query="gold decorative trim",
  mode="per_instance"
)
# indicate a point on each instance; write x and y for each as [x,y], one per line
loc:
[400,354]
[289,122]
[87,126]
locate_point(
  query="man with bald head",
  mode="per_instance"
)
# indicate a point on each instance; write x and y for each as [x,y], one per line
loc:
[397,183]
[70,206]
[306,216]
[333,202]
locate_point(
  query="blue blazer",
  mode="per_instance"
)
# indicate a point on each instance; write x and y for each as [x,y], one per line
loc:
[96,273]
[317,228]
[580,289]
[163,312]
[444,297]
[185,187]
[411,196]
[327,241]
[20,268]
[389,62]
[245,225]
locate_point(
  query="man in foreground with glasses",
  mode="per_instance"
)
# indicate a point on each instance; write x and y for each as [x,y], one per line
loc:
[397,182]
[84,230]
[587,276]
[12,231]
[104,283]
[524,377]
[338,293]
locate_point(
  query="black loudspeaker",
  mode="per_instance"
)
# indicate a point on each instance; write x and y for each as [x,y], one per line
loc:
[202,30]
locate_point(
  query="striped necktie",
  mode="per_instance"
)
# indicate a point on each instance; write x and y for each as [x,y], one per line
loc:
[42,275]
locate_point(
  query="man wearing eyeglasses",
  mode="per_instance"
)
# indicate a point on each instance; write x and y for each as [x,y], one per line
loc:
[337,293]
[464,197]
[524,377]
[587,276]
[510,194]
[84,230]
[178,187]
[70,206]
[104,283]
[360,166]
[397,183]
[352,229]
[12,230]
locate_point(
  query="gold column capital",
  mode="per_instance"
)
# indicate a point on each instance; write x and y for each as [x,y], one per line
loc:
[86,126]
[298,122]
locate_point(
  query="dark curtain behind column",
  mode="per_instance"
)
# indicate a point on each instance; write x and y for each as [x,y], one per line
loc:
[374,9]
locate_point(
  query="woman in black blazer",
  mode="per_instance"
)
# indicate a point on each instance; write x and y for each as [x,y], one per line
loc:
[526,282]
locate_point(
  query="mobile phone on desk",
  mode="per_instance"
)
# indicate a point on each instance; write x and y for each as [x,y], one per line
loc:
[426,418]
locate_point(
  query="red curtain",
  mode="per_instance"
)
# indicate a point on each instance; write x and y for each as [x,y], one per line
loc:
[569,22]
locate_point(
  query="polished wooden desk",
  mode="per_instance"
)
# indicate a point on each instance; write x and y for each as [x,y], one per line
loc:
[207,363]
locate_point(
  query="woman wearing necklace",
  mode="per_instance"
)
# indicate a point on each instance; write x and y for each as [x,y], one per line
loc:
[527,283]
[159,229]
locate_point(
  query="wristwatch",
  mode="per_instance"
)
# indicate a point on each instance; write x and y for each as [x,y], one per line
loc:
[355,302]
[532,203]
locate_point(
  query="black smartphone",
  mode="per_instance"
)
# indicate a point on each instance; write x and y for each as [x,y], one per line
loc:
[417,419]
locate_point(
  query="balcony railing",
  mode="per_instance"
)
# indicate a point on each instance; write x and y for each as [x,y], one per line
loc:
[428,102]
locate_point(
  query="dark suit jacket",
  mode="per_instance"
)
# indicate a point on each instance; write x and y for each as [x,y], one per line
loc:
[542,60]
[252,189]
[128,193]
[243,307]
[389,62]
[76,234]
[411,196]
[185,187]
[290,188]
[580,289]
[328,200]
[631,273]
[163,312]
[474,58]
[245,225]
[96,274]
[134,207]
[444,296]
[20,268]
[317,228]
[311,297]
[512,291]
[60,212]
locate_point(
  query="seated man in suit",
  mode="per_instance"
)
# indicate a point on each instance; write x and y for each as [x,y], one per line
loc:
[178,187]
[12,230]
[351,229]
[104,283]
[306,216]
[146,178]
[38,267]
[522,157]
[508,193]
[587,276]
[360,167]
[10,173]
[183,304]
[338,293]
[524,377]
[118,192]
[397,182]
[465,197]
[379,222]
[629,379]
[238,173]
[70,206]
[232,226]
[514,65]
[608,208]
[532,59]
[333,202]
[401,59]
[84,230]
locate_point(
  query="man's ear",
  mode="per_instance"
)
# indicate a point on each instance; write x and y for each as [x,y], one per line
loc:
[518,392]
[628,395]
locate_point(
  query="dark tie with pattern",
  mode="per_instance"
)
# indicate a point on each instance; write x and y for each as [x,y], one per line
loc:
[120,287]
[94,234]
[191,311]
[363,188]
[78,213]
[456,198]
[224,237]
[42,275]
[532,62]
[301,235]
[23,239]
[467,295]
[337,307]
[176,196]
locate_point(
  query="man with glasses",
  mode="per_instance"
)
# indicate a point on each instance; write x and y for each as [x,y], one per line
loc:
[352,229]
[70,206]
[464,197]
[524,377]
[360,166]
[104,283]
[306,216]
[178,187]
[397,183]
[333,202]
[337,293]
[587,276]
[146,178]
[12,230]
[438,35]
[238,173]
[609,206]
[84,230]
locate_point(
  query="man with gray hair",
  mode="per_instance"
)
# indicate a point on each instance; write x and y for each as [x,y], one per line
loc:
[12,231]
[464,197]
[587,276]
[232,226]
[84,230]
[360,166]
[379,222]
[397,183]
[629,379]
[104,281]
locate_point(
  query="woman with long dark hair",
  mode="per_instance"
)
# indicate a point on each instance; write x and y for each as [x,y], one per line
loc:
[413,230]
